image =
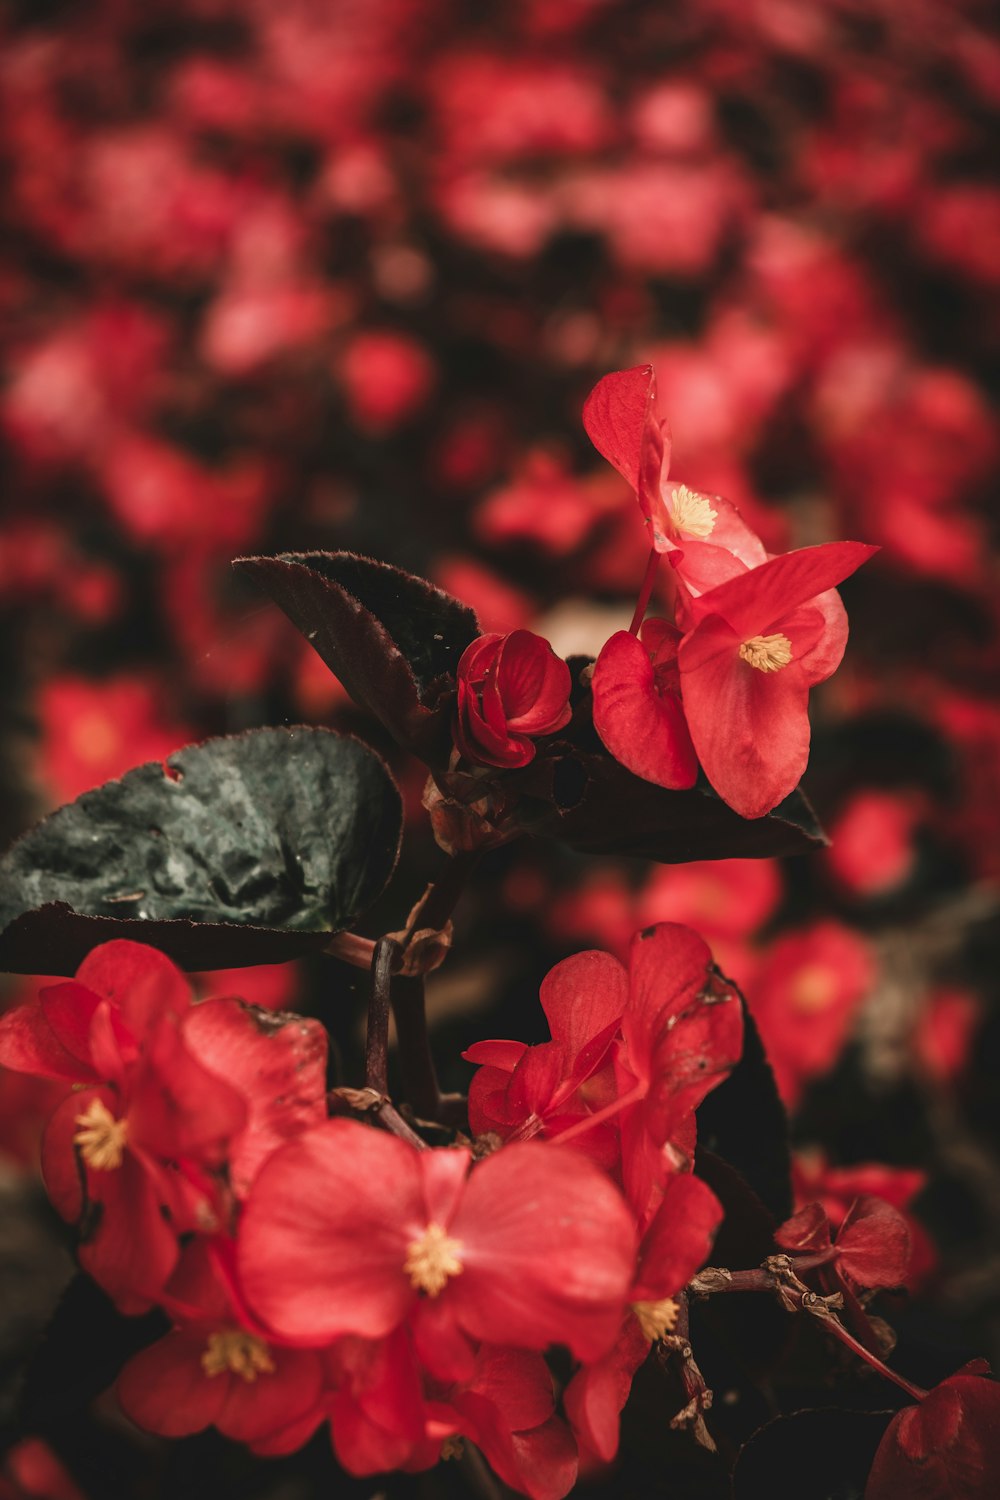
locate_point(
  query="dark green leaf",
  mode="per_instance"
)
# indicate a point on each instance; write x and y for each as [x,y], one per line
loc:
[604,809]
[393,639]
[242,850]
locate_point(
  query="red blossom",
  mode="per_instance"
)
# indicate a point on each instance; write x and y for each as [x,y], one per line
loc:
[621,422]
[804,999]
[755,646]
[165,1093]
[511,688]
[216,1368]
[632,1057]
[535,1247]
[947,1447]
[871,1247]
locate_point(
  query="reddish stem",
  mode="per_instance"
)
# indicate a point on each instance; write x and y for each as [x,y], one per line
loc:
[847,1338]
[645,592]
[763,1279]
[352,949]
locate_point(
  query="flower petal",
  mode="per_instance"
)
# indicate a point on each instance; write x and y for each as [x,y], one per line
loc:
[750,728]
[164,1388]
[620,418]
[548,1251]
[756,602]
[324,1234]
[643,728]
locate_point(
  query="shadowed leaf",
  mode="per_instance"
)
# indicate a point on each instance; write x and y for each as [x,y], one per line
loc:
[243,850]
[393,639]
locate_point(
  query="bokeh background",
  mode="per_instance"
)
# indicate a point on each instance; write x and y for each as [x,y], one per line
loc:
[292,274]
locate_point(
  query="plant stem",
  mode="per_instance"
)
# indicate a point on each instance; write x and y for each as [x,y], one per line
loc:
[420,1084]
[645,592]
[780,1277]
[847,1338]
[441,898]
[385,955]
[351,949]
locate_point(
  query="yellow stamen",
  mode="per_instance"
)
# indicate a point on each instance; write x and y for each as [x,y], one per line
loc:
[656,1319]
[237,1352]
[452,1447]
[432,1259]
[692,513]
[101,1138]
[768,653]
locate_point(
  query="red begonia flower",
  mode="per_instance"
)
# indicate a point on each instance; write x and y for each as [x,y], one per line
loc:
[674,1247]
[871,1248]
[350,1231]
[149,1127]
[756,645]
[623,1078]
[583,999]
[620,418]
[638,711]
[947,1447]
[804,998]
[276,1060]
[511,688]
[215,1369]
[836,1188]
[507,1408]
[683,1032]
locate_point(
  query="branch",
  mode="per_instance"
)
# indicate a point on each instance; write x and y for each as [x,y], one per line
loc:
[778,1276]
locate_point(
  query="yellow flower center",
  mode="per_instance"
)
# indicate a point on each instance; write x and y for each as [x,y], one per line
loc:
[432,1259]
[452,1447]
[814,988]
[656,1318]
[237,1352]
[692,513]
[101,1138]
[768,653]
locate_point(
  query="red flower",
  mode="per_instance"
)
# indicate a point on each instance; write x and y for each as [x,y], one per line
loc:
[631,1058]
[674,1247]
[947,1447]
[836,1189]
[637,705]
[755,646]
[620,418]
[217,1368]
[507,1408]
[349,1231]
[805,997]
[150,1122]
[871,1248]
[510,689]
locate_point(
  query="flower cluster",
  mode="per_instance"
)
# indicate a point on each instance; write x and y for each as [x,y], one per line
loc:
[726,685]
[319,1270]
